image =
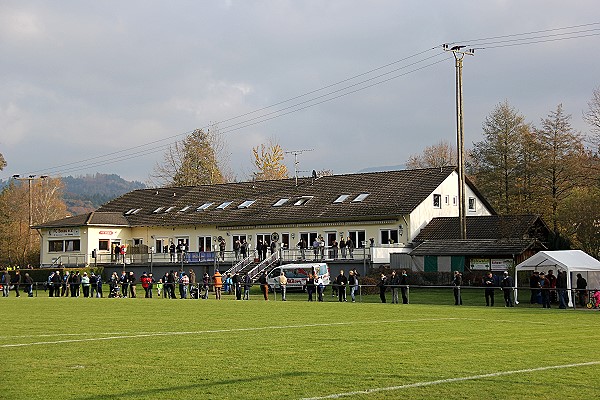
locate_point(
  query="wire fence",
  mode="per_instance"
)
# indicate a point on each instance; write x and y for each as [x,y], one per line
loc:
[407,294]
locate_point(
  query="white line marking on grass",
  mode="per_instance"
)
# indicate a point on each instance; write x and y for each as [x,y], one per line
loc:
[450,380]
[152,334]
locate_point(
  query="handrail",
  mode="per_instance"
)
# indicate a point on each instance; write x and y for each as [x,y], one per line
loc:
[240,265]
[264,264]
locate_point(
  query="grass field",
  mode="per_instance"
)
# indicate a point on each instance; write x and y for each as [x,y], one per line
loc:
[63,348]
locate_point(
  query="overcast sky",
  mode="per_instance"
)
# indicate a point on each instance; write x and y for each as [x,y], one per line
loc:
[82,80]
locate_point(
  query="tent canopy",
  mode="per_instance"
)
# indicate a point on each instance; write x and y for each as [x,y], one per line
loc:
[566,260]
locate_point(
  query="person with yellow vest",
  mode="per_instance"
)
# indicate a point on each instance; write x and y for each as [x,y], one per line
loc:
[218,282]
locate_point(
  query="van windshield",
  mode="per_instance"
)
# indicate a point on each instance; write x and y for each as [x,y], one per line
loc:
[296,273]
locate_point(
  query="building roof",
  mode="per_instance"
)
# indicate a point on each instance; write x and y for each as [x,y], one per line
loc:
[526,226]
[389,195]
[473,247]
[90,219]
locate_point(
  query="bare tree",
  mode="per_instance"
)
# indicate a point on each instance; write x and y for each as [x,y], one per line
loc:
[592,115]
[199,159]
[268,162]
[439,155]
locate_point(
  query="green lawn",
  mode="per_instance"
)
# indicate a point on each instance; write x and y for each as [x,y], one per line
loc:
[63,348]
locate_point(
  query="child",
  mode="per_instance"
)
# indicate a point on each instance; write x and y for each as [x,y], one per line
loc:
[596,297]
[159,287]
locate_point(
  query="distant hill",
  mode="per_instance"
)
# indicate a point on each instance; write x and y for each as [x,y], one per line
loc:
[87,193]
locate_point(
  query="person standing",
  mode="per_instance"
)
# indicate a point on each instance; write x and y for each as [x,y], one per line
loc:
[185,283]
[350,246]
[545,290]
[85,284]
[99,285]
[57,283]
[247,286]
[561,286]
[131,282]
[264,248]
[310,286]
[404,287]
[394,282]
[457,282]
[170,285]
[264,286]
[334,249]
[15,282]
[205,285]
[302,247]
[93,284]
[552,281]
[236,249]
[489,284]
[343,247]
[6,284]
[283,285]
[244,249]
[507,287]
[218,284]
[123,280]
[172,250]
[352,283]
[237,285]
[341,282]
[28,284]
[320,288]
[66,279]
[144,281]
[534,284]
[193,282]
[222,249]
[581,287]
[316,245]
[382,285]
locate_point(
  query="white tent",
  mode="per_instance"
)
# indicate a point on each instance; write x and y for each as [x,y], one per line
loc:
[571,261]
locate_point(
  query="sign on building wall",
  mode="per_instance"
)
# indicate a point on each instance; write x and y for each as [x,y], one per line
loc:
[480,263]
[56,232]
[501,264]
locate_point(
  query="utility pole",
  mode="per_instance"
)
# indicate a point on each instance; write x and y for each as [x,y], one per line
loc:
[459,54]
[296,162]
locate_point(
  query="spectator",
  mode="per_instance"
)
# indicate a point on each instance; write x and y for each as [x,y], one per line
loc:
[507,287]
[457,282]
[264,286]
[561,285]
[404,287]
[488,282]
[341,282]
[85,283]
[382,285]
[394,282]
[28,284]
[581,288]
[218,282]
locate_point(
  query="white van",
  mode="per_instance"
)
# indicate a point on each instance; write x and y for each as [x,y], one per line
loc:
[297,274]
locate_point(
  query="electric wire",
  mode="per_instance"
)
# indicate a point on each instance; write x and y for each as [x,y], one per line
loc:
[519,39]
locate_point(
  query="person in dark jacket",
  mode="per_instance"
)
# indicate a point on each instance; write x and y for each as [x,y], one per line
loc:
[247,286]
[28,284]
[507,287]
[534,285]
[457,282]
[341,282]
[581,287]
[561,285]
[382,285]
[488,282]
[404,287]
[545,290]
[394,282]
[264,286]
[15,282]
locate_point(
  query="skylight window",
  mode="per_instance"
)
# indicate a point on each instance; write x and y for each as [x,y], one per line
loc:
[170,209]
[130,211]
[302,200]
[184,209]
[246,204]
[204,206]
[224,204]
[137,210]
[360,197]
[280,202]
[342,198]
[157,210]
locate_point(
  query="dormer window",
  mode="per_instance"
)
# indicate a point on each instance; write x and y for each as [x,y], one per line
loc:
[280,202]
[341,198]
[302,200]
[223,205]
[246,204]
[204,206]
[360,197]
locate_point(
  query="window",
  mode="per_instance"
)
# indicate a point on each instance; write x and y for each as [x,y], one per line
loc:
[224,204]
[360,197]
[447,200]
[204,243]
[103,245]
[454,201]
[138,241]
[170,209]
[389,236]
[184,209]
[437,201]
[55,245]
[280,202]
[72,245]
[204,206]
[131,211]
[246,204]
[358,237]
[342,198]
[302,200]
[157,210]
[472,204]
